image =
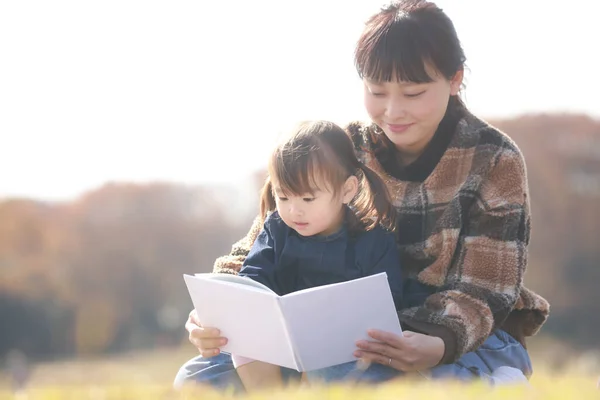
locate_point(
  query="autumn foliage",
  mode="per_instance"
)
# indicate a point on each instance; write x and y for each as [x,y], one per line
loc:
[104,273]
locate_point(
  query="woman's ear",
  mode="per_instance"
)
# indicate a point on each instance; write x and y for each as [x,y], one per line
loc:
[350,189]
[456,82]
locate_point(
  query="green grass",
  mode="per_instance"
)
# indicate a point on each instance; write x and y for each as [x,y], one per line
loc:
[545,388]
[148,375]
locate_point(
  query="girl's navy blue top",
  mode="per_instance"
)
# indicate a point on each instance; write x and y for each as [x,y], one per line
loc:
[286,261]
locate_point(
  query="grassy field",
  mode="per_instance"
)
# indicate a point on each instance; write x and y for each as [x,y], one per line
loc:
[148,375]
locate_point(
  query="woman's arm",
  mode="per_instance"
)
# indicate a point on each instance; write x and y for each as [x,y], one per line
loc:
[490,261]
[232,262]
[485,279]
[483,284]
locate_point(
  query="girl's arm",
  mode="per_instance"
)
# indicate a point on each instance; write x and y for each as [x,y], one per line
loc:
[261,261]
[385,257]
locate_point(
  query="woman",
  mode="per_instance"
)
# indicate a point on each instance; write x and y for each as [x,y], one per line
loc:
[460,189]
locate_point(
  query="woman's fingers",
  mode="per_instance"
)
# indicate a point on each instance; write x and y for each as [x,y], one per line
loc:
[193,317]
[378,348]
[206,339]
[207,344]
[370,357]
[386,337]
[209,352]
[410,352]
[205,333]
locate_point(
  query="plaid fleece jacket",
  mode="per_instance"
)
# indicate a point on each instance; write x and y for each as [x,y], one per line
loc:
[470,226]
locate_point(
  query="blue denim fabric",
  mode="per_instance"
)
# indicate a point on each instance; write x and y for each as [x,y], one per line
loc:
[499,350]
[218,371]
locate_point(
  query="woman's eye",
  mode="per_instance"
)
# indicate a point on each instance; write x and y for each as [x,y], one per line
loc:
[282,198]
[308,199]
[412,95]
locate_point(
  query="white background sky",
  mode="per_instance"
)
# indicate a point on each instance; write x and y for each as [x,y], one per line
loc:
[196,91]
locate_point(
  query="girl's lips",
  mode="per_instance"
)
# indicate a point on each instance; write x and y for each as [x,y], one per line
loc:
[398,128]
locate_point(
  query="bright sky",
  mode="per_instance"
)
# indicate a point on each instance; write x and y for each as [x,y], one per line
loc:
[195,91]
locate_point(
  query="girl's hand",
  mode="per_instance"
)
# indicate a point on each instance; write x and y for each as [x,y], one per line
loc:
[207,340]
[411,352]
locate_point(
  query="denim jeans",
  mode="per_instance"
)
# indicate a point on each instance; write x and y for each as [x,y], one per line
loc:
[500,350]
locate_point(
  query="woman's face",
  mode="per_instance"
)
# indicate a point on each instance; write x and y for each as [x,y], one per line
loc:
[409,113]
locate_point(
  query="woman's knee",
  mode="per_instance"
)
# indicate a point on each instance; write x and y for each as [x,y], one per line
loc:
[216,371]
[503,350]
[186,372]
[499,350]
[353,372]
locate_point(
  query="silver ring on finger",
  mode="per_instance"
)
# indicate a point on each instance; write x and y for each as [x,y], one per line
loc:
[390,361]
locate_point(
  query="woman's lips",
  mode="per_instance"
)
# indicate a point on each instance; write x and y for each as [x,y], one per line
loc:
[398,128]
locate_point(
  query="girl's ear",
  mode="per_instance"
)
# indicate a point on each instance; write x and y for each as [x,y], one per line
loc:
[350,189]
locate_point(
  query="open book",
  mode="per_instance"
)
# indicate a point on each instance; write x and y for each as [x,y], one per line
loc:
[305,330]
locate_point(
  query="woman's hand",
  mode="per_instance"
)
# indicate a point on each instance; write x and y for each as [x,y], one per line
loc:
[207,340]
[411,352]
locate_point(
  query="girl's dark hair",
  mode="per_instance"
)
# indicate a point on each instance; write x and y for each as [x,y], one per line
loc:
[405,36]
[319,155]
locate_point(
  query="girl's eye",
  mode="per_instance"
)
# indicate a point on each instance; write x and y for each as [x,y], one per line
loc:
[308,199]
[282,198]
[377,94]
[414,94]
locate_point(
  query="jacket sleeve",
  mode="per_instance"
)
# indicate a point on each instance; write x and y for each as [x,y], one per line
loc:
[490,262]
[232,262]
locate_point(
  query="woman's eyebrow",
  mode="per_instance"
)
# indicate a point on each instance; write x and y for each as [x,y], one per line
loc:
[401,83]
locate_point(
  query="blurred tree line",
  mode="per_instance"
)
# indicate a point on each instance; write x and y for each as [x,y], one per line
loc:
[104,273]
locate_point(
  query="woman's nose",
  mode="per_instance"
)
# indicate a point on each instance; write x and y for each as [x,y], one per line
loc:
[395,109]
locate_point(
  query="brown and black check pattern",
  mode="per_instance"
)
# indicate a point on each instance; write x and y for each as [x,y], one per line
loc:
[464,230]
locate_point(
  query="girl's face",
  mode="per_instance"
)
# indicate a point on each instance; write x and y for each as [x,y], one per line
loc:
[409,113]
[318,213]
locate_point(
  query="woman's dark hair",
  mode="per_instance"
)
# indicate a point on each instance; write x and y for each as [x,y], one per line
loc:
[320,153]
[402,38]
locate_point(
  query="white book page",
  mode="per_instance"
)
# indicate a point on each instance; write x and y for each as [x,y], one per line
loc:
[325,322]
[242,280]
[249,318]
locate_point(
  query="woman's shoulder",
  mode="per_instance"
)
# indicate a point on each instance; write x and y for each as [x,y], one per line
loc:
[362,135]
[475,132]
[486,148]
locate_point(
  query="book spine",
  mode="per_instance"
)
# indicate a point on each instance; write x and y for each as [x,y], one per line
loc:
[290,338]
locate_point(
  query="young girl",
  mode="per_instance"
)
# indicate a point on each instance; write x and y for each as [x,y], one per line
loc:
[327,219]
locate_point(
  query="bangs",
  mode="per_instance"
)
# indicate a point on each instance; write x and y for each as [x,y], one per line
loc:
[393,50]
[300,170]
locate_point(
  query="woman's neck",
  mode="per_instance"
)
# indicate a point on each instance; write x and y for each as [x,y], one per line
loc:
[407,155]
[405,158]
